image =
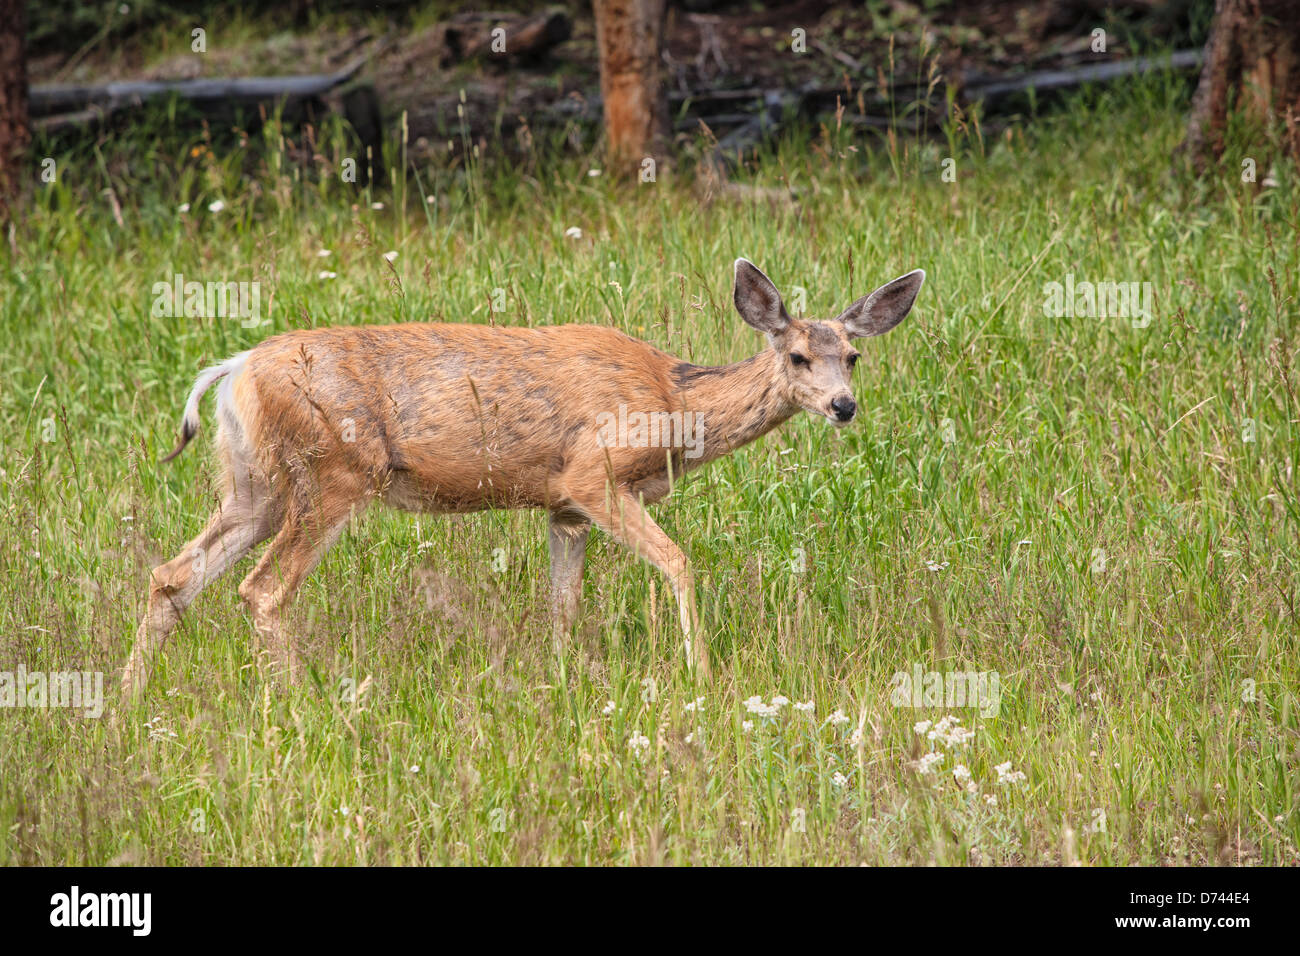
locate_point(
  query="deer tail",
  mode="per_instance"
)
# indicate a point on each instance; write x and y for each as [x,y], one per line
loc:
[190,420]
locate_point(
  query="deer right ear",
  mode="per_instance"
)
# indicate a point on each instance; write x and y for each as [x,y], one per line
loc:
[879,312]
[757,300]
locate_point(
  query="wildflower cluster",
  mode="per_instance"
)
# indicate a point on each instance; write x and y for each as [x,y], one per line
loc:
[948,733]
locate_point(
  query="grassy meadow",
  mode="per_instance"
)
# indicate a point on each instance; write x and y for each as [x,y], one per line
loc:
[1102,511]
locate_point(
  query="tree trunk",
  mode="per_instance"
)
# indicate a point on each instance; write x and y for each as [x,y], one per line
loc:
[1252,61]
[629,35]
[15,128]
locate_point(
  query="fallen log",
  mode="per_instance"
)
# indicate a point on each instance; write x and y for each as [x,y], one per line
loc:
[520,38]
[54,98]
[972,86]
[62,121]
[761,125]
[981,88]
[713,121]
[713,176]
[58,107]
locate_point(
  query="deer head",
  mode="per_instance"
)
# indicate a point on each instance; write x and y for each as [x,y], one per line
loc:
[816,358]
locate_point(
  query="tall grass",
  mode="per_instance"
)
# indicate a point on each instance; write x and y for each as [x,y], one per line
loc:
[1104,515]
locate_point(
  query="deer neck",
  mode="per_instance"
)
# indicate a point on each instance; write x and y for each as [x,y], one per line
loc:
[736,403]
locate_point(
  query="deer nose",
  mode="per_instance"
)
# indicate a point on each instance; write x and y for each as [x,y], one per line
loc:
[844,408]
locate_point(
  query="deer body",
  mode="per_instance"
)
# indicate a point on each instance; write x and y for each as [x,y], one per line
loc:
[456,418]
[315,425]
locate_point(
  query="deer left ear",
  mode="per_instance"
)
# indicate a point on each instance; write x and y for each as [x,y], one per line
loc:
[877,313]
[757,300]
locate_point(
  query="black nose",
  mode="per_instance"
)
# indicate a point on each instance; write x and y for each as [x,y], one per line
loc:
[844,408]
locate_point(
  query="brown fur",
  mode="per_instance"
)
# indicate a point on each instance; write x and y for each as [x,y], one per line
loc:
[458,418]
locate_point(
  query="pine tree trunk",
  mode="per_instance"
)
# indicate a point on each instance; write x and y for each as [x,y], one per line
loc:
[1252,62]
[629,35]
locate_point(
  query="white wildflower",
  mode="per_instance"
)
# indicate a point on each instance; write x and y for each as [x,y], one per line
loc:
[929,761]
[948,732]
[157,731]
[1007,776]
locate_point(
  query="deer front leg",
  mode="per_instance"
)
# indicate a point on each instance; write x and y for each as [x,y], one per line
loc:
[632,526]
[567,541]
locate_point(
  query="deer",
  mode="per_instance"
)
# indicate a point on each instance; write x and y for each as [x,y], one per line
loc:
[584,421]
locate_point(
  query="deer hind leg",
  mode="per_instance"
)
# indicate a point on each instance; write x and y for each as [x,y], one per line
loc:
[245,518]
[567,542]
[303,539]
[631,525]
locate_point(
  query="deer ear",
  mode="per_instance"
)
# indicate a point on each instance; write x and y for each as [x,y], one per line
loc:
[879,312]
[757,300]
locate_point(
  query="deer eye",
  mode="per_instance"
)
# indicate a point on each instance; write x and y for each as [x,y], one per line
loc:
[797,360]
[853,359]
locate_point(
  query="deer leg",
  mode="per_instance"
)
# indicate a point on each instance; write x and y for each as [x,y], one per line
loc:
[298,547]
[631,525]
[567,541]
[240,523]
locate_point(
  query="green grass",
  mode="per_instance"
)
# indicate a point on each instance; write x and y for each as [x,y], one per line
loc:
[1106,540]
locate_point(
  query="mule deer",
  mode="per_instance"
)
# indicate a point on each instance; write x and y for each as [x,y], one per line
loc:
[314,425]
